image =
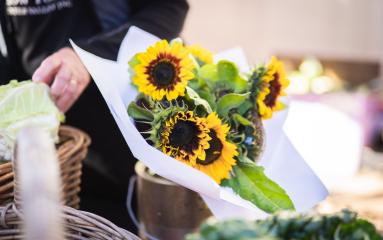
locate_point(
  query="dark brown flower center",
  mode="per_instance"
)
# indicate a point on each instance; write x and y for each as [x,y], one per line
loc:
[275,90]
[185,136]
[164,73]
[214,152]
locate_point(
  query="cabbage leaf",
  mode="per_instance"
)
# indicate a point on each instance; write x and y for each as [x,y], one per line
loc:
[25,104]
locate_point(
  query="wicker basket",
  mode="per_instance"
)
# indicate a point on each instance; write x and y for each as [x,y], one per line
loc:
[78,224]
[71,150]
[36,212]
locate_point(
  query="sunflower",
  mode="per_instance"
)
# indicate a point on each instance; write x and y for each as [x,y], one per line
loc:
[185,137]
[274,83]
[220,155]
[202,55]
[163,70]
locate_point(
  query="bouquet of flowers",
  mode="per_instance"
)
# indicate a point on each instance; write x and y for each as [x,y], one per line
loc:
[198,122]
[209,115]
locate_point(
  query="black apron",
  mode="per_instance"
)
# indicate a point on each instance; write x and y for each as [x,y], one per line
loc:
[35,31]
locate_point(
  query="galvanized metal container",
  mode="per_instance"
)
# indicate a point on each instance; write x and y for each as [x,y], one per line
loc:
[166,210]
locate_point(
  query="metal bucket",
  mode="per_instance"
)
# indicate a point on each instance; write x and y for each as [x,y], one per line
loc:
[167,211]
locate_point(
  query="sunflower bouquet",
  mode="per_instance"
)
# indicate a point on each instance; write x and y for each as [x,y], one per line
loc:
[200,123]
[209,115]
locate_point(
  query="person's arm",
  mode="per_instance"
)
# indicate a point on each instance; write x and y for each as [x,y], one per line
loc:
[163,18]
[66,74]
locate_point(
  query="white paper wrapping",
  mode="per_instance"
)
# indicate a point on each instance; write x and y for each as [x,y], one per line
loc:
[281,161]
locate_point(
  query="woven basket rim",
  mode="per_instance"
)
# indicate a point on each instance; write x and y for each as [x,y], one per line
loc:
[71,150]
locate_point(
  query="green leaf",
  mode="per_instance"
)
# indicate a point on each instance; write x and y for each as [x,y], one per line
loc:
[139,113]
[229,74]
[196,83]
[251,183]
[230,101]
[227,71]
[209,74]
[290,225]
[224,74]
[134,61]
[241,120]
[209,97]
[357,229]
[240,85]
[246,106]
[245,160]
[198,101]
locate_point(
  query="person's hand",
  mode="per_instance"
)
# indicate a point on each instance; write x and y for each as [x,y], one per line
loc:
[66,75]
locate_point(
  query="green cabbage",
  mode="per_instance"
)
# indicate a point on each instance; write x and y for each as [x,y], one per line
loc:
[25,104]
[345,225]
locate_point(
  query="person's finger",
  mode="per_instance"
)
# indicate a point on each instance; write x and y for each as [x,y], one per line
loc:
[69,96]
[63,77]
[47,70]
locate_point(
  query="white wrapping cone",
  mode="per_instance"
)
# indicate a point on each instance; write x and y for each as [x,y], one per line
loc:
[283,164]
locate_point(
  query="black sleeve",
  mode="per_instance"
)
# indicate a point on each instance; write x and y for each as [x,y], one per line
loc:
[163,18]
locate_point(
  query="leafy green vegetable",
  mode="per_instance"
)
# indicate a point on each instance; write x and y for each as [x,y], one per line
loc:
[230,101]
[251,183]
[358,229]
[25,104]
[287,225]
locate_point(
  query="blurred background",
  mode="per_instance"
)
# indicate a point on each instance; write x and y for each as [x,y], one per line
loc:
[333,53]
